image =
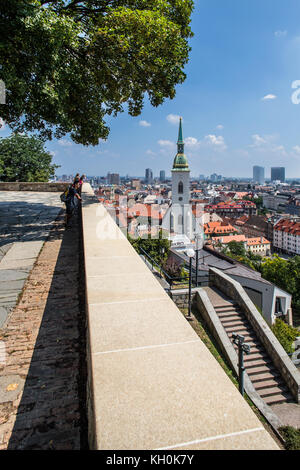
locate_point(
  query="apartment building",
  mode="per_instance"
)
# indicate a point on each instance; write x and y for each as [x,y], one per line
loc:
[286,236]
[258,245]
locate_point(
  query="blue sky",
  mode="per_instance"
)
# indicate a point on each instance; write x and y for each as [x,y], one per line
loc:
[236,102]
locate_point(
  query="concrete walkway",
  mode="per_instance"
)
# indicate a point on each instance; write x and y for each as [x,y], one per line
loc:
[25,222]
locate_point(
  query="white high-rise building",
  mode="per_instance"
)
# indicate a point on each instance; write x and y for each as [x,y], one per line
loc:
[259,175]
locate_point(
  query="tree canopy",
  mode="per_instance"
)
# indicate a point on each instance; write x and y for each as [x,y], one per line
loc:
[67,64]
[285,274]
[24,158]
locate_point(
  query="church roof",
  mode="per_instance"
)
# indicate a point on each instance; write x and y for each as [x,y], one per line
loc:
[180,161]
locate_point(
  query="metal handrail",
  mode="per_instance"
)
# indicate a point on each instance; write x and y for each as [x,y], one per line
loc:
[169,278]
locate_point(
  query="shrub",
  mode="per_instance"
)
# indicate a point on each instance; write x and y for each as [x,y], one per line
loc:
[291,436]
[285,334]
[172,268]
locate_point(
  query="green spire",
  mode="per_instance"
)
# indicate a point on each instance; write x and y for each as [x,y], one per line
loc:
[180,138]
[180,161]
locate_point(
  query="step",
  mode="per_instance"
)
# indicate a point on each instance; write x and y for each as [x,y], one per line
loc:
[260,370]
[257,363]
[241,330]
[228,309]
[255,355]
[279,398]
[220,306]
[269,383]
[264,377]
[249,338]
[252,340]
[234,321]
[275,390]
[230,317]
[258,348]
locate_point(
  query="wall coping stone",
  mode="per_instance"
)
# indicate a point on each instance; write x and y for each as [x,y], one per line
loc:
[34,186]
[146,364]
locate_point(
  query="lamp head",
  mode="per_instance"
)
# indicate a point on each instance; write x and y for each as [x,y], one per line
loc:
[190,253]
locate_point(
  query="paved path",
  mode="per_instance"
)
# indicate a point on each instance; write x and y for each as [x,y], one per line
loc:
[41,386]
[25,222]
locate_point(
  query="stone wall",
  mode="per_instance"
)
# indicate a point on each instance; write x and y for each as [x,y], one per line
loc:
[144,359]
[181,297]
[280,358]
[38,187]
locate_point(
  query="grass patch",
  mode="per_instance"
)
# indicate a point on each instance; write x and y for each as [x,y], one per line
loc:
[291,436]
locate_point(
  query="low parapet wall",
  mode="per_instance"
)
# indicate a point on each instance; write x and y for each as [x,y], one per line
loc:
[280,358]
[37,187]
[152,383]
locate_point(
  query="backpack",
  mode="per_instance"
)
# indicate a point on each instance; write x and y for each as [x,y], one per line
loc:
[64,195]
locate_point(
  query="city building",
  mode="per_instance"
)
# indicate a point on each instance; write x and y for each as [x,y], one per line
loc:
[113,178]
[149,176]
[286,236]
[259,175]
[162,176]
[233,209]
[136,184]
[278,174]
[217,229]
[258,246]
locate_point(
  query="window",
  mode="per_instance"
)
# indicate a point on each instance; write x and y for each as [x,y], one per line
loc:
[180,188]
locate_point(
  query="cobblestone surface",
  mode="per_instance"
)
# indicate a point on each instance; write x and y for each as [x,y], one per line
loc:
[45,348]
[26,219]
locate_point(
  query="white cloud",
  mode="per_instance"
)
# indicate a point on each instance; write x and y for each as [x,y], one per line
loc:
[296,149]
[144,123]
[2,124]
[280,33]
[65,143]
[150,152]
[192,142]
[217,142]
[269,97]
[257,141]
[267,144]
[166,143]
[220,127]
[173,118]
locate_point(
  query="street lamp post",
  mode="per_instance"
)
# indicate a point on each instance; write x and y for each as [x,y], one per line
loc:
[190,253]
[197,256]
[162,252]
[243,348]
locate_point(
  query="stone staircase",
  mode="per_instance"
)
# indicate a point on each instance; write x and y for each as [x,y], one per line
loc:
[262,372]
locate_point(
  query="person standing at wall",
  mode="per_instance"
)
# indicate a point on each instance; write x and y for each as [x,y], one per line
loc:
[71,202]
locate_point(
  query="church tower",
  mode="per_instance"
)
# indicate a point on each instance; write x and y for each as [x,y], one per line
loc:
[179,219]
[180,174]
